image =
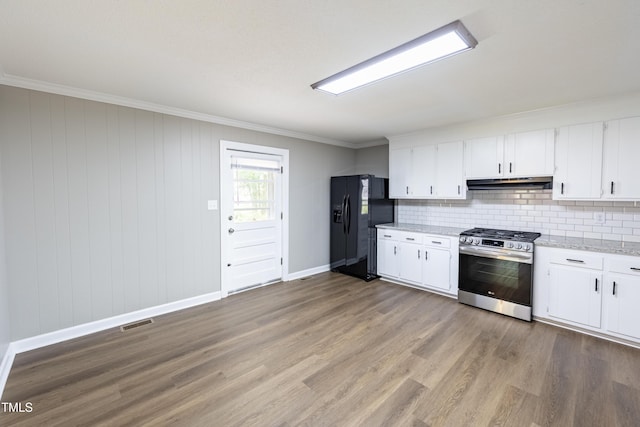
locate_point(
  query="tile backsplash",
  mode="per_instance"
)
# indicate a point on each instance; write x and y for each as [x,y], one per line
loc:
[527,210]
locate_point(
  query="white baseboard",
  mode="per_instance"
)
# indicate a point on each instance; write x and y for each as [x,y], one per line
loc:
[305,273]
[596,334]
[5,367]
[421,288]
[55,337]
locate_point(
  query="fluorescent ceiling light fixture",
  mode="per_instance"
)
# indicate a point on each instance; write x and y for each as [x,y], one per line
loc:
[446,41]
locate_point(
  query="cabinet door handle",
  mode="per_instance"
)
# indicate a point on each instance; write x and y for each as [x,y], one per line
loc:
[596,284]
[611,187]
[614,288]
[499,168]
[579,261]
[562,188]
[510,167]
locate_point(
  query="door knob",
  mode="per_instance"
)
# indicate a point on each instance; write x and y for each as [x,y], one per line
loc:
[231,230]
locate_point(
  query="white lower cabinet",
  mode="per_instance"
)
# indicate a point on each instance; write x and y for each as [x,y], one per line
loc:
[622,293]
[410,262]
[436,271]
[387,252]
[425,260]
[575,294]
[589,290]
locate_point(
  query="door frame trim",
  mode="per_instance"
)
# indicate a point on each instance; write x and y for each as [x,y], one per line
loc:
[262,149]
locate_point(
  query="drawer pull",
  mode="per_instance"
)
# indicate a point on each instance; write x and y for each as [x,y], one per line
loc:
[579,261]
[634,268]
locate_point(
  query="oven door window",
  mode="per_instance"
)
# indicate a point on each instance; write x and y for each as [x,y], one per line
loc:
[505,280]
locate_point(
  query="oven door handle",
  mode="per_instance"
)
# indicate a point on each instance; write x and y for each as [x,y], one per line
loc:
[496,254]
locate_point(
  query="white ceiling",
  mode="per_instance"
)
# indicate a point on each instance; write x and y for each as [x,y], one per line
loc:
[253,60]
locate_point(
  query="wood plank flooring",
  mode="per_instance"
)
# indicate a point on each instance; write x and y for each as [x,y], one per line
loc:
[330,350]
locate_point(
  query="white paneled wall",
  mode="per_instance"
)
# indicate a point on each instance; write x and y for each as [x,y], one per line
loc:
[527,210]
[105,209]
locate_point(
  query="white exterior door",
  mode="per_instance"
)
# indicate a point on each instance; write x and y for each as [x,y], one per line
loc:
[252,217]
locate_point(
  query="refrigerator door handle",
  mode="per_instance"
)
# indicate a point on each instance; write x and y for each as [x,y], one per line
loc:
[348,213]
[344,214]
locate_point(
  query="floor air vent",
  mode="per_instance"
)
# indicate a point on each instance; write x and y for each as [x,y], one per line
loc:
[125,328]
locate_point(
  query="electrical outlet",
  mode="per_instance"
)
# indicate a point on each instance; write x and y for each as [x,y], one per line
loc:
[598,218]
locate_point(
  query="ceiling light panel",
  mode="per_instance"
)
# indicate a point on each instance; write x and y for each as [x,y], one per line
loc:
[438,44]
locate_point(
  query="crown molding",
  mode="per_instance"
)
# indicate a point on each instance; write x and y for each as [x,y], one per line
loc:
[43,86]
[370,144]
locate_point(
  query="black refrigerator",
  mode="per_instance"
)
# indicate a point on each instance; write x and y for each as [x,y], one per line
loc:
[358,204]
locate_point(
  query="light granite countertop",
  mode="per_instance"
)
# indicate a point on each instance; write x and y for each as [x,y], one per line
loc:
[546,240]
[591,245]
[428,229]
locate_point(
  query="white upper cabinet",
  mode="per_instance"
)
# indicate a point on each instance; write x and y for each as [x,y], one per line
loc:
[528,154]
[412,172]
[484,157]
[621,174]
[400,173]
[578,172]
[523,154]
[423,166]
[427,172]
[450,183]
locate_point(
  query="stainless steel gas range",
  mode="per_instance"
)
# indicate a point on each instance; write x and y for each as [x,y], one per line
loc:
[496,270]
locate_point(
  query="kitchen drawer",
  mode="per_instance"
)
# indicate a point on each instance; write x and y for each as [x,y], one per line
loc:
[625,265]
[578,259]
[409,237]
[386,234]
[436,241]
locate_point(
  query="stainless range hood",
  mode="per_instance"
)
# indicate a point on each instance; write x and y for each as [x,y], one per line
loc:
[545,182]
